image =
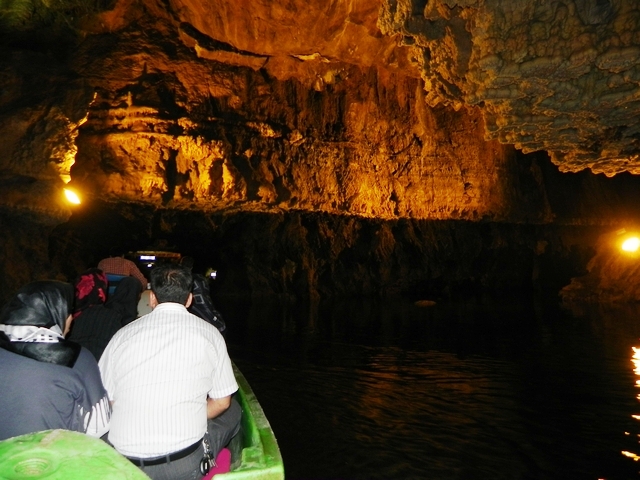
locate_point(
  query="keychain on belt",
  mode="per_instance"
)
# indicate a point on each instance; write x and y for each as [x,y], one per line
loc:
[207,460]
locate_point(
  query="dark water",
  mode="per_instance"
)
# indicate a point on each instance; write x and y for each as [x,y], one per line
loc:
[502,388]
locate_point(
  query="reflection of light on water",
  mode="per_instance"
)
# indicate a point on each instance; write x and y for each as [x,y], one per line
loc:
[635,359]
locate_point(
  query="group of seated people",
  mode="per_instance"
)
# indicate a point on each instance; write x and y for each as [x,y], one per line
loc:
[158,388]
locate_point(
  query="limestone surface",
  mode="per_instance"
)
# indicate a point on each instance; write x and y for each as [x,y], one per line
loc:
[386,109]
[561,76]
[365,111]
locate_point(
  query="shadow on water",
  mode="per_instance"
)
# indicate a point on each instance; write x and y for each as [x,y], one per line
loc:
[509,388]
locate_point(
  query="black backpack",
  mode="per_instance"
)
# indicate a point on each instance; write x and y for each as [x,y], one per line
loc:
[202,306]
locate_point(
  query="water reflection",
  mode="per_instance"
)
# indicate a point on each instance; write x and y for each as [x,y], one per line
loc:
[477,388]
[635,359]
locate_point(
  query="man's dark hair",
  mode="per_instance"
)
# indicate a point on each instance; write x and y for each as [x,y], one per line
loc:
[171,282]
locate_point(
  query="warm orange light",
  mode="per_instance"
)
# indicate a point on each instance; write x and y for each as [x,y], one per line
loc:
[631,244]
[631,455]
[635,359]
[72,196]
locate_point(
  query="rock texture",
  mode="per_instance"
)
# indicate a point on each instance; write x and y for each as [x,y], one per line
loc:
[370,116]
[272,114]
[363,147]
[257,105]
[310,255]
[41,107]
[561,76]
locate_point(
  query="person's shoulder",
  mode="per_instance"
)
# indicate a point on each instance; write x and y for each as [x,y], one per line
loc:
[194,320]
[205,328]
[10,358]
[117,340]
[130,328]
[85,361]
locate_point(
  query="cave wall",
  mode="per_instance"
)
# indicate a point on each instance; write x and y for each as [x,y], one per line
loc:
[298,254]
[305,255]
[312,130]
[360,142]
[190,105]
[363,144]
[24,252]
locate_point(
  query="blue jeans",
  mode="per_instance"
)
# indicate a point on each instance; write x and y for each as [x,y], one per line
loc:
[221,430]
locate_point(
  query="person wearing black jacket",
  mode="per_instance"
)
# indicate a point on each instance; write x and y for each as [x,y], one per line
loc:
[96,317]
[202,305]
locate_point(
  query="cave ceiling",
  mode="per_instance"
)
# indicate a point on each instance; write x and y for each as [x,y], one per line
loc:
[382,108]
[560,76]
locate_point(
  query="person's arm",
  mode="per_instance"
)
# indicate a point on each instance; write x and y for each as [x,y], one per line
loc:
[216,406]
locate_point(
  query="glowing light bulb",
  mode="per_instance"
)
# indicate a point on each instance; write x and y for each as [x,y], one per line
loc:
[631,244]
[72,196]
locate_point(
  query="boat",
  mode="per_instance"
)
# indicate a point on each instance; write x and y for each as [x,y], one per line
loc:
[147,259]
[67,455]
[63,454]
[256,455]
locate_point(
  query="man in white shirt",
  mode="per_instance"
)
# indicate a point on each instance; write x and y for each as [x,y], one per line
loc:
[169,380]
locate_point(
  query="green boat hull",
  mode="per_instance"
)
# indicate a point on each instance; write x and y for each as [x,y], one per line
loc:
[63,455]
[66,455]
[256,454]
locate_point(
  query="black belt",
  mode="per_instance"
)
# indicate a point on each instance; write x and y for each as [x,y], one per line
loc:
[143,462]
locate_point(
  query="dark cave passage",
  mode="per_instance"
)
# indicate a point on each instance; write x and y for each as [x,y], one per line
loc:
[302,255]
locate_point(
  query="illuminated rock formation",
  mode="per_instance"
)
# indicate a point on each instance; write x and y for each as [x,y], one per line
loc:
[363,147]
[371,111]
[560,76]
[259,105]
